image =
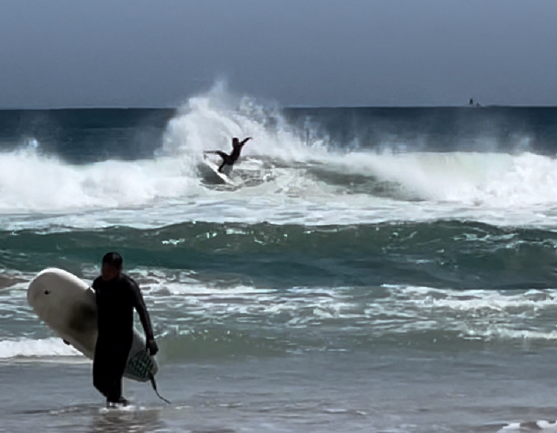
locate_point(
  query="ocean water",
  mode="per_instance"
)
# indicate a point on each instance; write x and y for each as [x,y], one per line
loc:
[375,269]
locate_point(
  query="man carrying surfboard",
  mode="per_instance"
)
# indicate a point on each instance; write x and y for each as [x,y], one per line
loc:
[117,295]
[234,155]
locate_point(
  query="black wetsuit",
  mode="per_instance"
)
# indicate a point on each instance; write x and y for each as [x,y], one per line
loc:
[116,300]
[232,158]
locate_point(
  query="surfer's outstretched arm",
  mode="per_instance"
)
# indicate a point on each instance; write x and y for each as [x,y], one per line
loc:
[244,141]
[139,305]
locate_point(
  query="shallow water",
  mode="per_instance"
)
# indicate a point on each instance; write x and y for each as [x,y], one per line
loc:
[396,390]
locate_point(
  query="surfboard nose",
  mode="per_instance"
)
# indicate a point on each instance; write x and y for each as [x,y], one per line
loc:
[39,286]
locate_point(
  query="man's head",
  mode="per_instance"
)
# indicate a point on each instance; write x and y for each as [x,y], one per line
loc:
[111,266]
[235,141]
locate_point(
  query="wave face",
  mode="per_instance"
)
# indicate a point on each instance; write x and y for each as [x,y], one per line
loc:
[348,228]
[462,255]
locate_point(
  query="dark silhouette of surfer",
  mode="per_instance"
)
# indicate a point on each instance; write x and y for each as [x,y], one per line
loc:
[471,103]
[117,296]
[237,146]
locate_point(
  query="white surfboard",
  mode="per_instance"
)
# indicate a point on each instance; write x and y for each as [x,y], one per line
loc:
[67,305]
[215,168]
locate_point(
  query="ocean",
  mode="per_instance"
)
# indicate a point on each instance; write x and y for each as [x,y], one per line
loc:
[373,270]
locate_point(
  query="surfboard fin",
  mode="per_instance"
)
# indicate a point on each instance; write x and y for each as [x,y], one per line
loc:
[154,385]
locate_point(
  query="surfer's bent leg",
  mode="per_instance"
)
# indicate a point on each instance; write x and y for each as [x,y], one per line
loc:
[226,159]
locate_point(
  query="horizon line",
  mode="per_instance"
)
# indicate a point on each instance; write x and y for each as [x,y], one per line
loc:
[297,106]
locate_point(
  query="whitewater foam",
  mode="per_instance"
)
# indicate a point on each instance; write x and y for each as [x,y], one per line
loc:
[495,180]
[391,309]
[184,303]
[286,179]
[31,348]
[32,183]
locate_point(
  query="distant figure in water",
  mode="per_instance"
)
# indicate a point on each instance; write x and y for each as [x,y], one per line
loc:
[234,155]
[471,103]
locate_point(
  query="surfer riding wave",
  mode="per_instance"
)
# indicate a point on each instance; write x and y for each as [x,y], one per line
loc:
[237,146]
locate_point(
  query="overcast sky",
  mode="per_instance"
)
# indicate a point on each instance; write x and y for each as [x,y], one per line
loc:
[63,53]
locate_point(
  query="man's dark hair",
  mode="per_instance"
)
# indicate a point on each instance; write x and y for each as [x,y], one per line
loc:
[113,259]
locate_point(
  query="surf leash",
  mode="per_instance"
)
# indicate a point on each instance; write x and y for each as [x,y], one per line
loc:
[154,385]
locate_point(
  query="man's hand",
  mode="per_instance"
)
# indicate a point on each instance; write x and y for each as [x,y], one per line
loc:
[152,347]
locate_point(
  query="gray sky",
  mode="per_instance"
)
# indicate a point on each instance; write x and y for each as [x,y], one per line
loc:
[60,53]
